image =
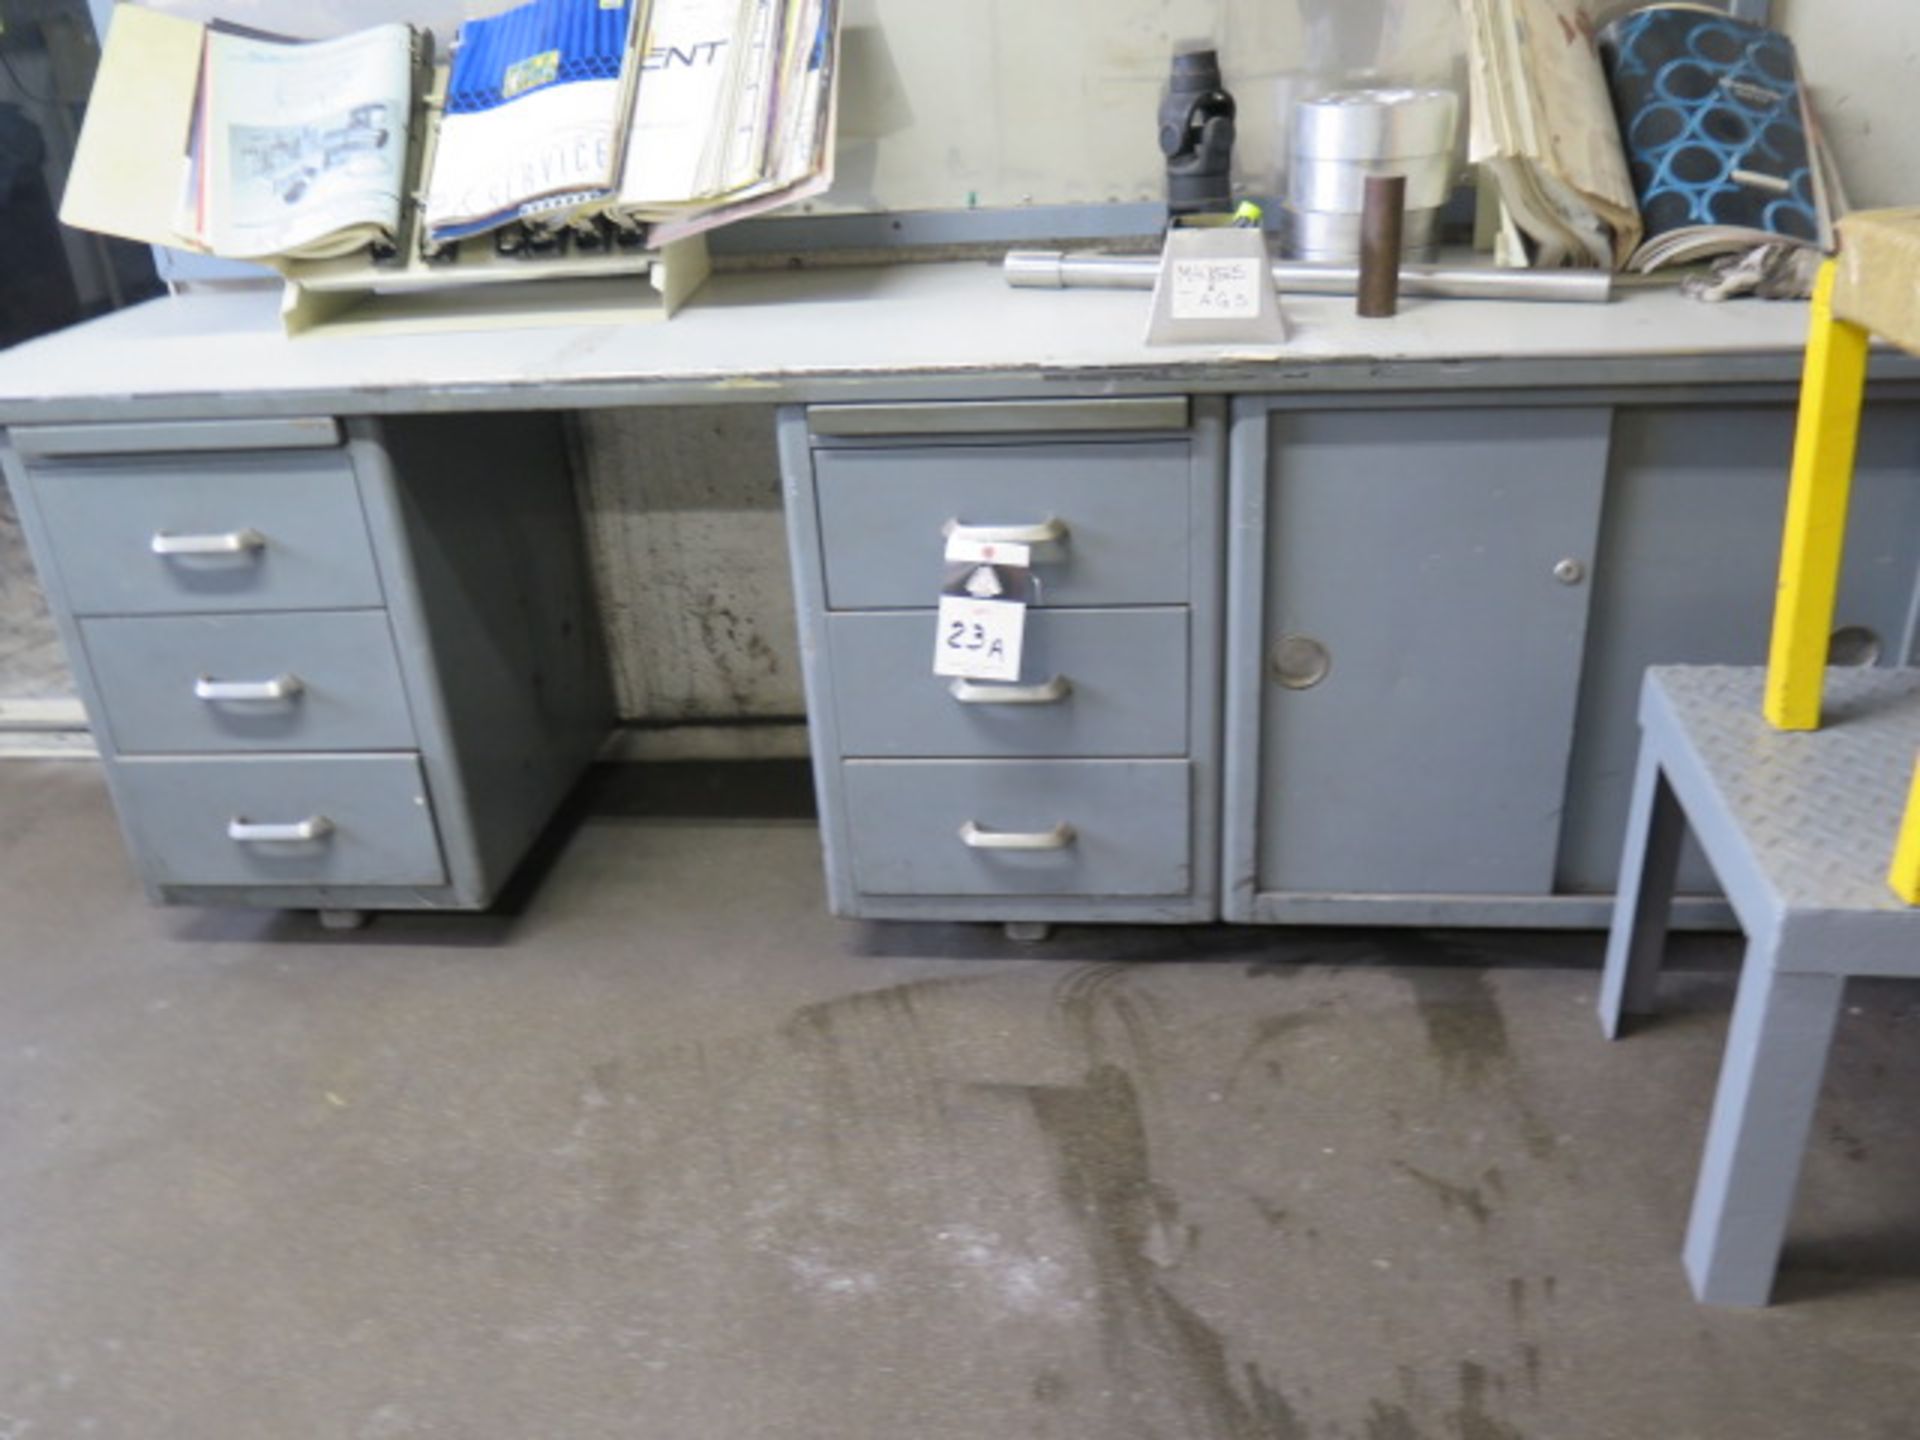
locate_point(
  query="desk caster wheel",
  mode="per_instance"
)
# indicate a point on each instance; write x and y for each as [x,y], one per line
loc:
[343,919]
[1029,932]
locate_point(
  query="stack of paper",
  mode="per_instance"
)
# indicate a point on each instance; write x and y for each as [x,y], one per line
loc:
[1543,127]
[298,150]
[733,114]
[645,121]
[534,116]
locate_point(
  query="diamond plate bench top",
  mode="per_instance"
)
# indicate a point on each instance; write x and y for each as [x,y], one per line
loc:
[1818,811]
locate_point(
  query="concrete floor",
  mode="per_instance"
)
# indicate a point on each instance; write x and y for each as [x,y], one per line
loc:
[669,1153]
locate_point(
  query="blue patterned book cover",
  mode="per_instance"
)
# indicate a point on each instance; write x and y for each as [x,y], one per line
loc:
[535,107]
[1717,134]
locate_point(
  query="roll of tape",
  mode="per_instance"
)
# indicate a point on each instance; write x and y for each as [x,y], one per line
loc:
[1317,184]
[1376,124]
[1335,234]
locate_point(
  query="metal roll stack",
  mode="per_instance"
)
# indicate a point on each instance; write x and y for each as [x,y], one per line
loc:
[1341,138]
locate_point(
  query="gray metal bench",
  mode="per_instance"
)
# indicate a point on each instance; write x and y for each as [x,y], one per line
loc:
[1797,826]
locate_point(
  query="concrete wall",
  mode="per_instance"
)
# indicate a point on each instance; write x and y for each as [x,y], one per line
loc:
[689,554]
[1004,102]
[1862,58]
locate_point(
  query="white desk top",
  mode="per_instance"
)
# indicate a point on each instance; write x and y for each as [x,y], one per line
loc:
[951,330]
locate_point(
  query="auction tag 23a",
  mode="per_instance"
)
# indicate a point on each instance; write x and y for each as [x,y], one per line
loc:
[983,609]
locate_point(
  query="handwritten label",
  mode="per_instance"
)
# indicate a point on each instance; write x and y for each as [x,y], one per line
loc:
[1217,289]
[983,609]
[979,639]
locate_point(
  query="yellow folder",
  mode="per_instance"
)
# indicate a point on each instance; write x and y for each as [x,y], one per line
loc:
[130,164]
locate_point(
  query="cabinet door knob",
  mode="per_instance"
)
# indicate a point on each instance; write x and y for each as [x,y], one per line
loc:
[1058,838]
[246,832]
[1570,571]
[1049,692]
[1301,662]
[281,687]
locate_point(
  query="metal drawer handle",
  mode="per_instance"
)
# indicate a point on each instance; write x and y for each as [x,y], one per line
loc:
[314,827]
[1058,838]
[234,542]
[1050,692]
[1047,532]
[281,687]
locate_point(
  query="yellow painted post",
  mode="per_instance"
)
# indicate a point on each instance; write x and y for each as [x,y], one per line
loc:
[1831,389]
[1905,875]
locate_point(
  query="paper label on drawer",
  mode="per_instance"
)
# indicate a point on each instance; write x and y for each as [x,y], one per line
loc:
[979,639]
[988,570]
[1217,289]
[983,608]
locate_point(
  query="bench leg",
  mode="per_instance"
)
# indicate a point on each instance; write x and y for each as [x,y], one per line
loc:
[1769,1085]
[1904,877]
[1832,386]
[1644,906]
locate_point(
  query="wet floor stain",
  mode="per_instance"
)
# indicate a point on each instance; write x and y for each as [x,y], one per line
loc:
[1465,1029]
[1095,1000]
[1390,1422]
[1268,1031]
[1465,1199]
[1156,1347]
[1471,1420]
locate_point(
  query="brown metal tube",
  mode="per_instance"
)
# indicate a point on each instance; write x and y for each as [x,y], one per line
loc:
[1382,212]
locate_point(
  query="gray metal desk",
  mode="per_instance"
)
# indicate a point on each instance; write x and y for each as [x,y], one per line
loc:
[1489,518]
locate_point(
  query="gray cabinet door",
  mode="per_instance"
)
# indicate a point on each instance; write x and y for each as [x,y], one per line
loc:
[1417,549]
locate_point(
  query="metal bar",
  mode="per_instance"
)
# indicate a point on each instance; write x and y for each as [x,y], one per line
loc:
[1828,435]
[1058,838]
[1904,876]
[1052,531]
[1010,417]
[232,542]
[1057,270]
[973,692]
[1381,221]
[65,442]
[248,832]
[281,687]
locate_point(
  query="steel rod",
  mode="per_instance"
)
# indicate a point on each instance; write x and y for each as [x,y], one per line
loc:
[1058,270]
[1380,224]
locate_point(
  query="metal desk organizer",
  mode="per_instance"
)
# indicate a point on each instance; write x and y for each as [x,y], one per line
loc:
[1798,821]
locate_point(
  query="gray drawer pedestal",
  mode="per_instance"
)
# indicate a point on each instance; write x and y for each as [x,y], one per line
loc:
[346,667]
[1093,796]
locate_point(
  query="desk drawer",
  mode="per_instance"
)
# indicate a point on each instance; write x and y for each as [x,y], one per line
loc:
[1123,510]
[1009,827]
[279,531]
[208,683]
[366,820]
[1097,683]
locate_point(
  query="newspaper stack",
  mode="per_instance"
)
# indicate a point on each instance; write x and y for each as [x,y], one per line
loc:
[733,115]
[1543,127]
